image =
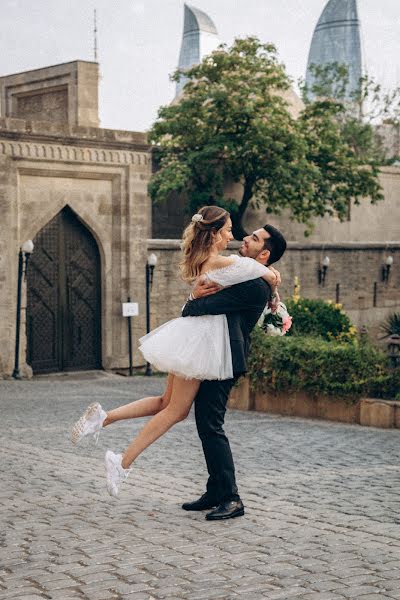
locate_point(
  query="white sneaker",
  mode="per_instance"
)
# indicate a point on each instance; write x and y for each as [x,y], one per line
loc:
[90,423]
[115,472]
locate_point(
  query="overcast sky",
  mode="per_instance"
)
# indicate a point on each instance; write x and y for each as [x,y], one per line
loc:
[139,42]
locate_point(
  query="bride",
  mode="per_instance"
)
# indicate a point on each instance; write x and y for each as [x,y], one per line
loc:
[190,349]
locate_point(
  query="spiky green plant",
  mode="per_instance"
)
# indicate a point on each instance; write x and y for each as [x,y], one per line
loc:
[391,325]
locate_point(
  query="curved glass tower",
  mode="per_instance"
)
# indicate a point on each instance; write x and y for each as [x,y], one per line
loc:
[337,39]
[200,37]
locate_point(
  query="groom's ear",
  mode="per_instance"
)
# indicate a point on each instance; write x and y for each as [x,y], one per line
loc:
[263,257]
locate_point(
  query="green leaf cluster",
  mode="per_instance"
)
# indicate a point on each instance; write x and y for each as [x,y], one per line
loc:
[319,319]
[316,366]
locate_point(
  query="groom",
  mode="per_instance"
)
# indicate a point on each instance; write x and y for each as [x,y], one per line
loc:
[243,304]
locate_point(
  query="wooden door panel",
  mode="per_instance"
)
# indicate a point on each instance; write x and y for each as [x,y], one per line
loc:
[42,300]
[83,296]
[64,297]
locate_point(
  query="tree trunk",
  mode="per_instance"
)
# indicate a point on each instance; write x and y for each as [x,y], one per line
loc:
[237,218]
[237,228]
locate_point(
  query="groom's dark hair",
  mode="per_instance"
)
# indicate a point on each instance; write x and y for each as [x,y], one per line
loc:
[276,244]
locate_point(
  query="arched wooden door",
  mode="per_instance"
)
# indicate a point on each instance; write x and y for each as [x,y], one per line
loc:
[64,297]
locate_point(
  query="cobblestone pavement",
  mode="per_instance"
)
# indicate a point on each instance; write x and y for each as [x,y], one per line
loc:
[322,506]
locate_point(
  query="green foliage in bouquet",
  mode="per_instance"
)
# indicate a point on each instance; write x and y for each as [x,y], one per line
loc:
[318,366]
[320,319]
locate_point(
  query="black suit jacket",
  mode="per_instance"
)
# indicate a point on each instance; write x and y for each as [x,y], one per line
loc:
[243,304]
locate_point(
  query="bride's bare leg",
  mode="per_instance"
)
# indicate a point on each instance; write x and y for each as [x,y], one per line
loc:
[141,408]
[183,394]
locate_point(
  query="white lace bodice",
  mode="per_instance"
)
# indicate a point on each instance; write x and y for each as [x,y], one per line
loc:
[242,269]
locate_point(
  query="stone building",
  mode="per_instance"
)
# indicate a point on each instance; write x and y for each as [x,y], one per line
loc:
[337,39]
[80,193]
[200,37]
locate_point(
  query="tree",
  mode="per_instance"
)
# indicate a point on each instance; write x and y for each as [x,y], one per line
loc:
[363,108]
[233,124]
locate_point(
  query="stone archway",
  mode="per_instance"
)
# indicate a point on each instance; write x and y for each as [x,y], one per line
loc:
[64,297]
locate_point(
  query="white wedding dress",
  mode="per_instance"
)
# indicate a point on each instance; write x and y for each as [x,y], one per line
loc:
[199,347]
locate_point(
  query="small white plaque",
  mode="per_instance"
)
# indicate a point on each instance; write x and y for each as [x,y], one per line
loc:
[130,309]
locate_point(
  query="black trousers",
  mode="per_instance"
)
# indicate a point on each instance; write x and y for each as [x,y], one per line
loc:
[210,408]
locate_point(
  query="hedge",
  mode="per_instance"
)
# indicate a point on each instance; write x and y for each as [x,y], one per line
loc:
[317,366]
[321,319]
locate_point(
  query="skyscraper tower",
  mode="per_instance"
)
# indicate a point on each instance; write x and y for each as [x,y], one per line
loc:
[200,37]
[337,39]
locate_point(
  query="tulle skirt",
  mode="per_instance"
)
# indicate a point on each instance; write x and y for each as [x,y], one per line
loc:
[191,347]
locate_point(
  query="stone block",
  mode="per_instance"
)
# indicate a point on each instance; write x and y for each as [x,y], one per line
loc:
[375,413]
[397,415]
[297,404]
[240,396]
[334,409]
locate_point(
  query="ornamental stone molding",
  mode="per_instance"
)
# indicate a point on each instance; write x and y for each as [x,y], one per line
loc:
[58,152]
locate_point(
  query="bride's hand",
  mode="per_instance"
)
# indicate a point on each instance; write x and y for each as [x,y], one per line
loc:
[277,275]
[204,287]
[274,302]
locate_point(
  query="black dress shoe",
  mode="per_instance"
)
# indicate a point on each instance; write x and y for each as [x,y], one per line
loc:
[226,510]
[203,503]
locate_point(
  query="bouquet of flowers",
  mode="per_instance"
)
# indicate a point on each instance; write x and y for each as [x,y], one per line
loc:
[276,322]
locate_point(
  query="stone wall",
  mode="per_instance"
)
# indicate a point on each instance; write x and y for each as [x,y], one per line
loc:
[355,267]
[169,292]
[366,223]
[389,135]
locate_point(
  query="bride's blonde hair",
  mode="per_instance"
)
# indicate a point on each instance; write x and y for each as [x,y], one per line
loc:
[198,238]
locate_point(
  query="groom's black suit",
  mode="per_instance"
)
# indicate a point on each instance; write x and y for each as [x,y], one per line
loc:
[243,304]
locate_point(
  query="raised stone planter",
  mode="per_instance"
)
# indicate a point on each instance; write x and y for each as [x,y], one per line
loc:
[369,412]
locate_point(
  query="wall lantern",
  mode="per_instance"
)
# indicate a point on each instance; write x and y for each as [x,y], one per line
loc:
[150,264]
[323,270]
[394,350]
[386,268]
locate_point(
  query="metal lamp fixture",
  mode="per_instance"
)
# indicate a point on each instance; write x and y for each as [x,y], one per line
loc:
[323,270]
[152,260]
[23,258]
[151,263]
[394,350]
[386,268]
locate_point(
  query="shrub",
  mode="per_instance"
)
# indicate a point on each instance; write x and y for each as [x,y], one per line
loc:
[387,385]
[321,319]
[317,366]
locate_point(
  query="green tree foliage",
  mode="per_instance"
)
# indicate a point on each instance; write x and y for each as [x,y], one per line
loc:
[360,111]
[233,124]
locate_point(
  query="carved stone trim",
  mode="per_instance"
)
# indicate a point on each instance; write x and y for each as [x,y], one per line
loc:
[59,152]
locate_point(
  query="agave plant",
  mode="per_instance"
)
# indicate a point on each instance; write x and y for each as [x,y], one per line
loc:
[391,325]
